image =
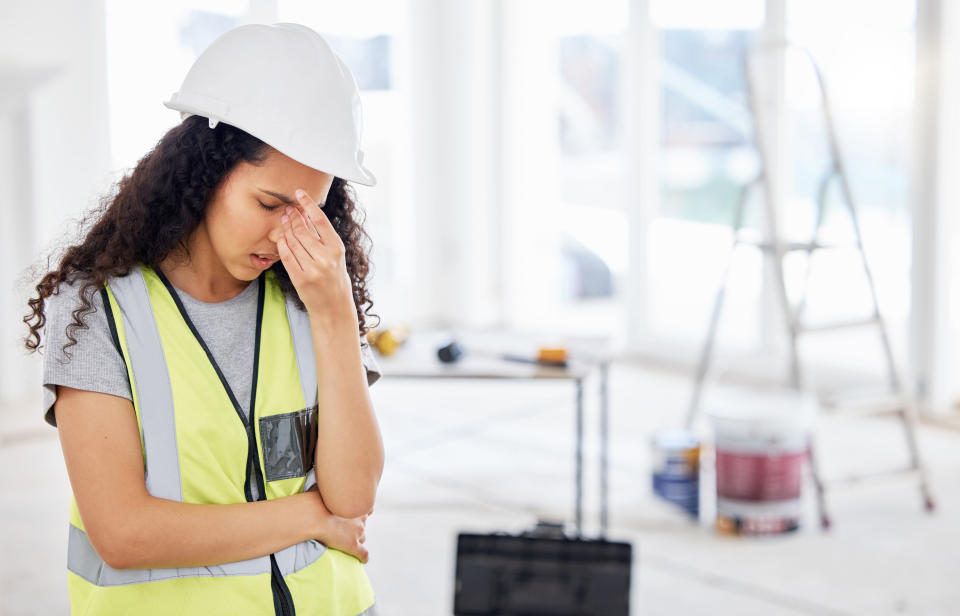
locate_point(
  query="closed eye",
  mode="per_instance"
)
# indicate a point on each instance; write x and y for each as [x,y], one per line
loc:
[269,208]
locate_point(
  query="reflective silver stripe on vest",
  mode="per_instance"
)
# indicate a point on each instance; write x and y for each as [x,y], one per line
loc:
[296,557]
[303,348]
[158,422]
[306,363]
[154,394]
[83,560]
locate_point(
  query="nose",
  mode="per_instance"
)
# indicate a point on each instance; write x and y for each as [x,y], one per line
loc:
[275,233]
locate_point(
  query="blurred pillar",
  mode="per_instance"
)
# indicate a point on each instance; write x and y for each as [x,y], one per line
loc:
[54,151]
[17,243]
[454,128]
[934,194]
[641,118]
[528,170]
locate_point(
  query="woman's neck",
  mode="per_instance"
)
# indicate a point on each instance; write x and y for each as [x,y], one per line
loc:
[201,275]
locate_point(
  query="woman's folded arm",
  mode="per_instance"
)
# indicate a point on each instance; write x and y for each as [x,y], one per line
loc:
[129,528]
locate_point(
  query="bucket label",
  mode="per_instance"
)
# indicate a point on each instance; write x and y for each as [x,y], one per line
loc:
[759,478]
[676,476]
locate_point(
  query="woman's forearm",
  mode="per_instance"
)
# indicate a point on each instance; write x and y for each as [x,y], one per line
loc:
[130,528]
[349,454]
[160,533]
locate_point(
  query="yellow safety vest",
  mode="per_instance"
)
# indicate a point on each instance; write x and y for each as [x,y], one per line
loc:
[199,447]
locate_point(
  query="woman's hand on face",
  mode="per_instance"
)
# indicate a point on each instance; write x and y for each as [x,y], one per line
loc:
[315,259]
[344,534]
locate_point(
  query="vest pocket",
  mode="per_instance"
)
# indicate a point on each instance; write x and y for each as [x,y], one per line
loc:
[288,443]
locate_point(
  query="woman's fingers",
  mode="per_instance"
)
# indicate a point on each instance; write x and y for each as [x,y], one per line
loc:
[315,214]
[308,224]
[295,229]
[303,217]
[305,207]
[287,257]
[295,241]
[317,219]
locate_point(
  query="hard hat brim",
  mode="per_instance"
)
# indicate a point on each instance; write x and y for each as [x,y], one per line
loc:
[358,174]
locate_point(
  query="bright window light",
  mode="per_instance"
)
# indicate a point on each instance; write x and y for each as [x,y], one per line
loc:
[707,14]
[575,17]
[357,19]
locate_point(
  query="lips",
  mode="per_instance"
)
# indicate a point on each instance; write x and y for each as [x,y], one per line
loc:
[263,261]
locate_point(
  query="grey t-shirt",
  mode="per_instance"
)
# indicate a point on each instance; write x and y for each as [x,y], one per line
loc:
[93,364]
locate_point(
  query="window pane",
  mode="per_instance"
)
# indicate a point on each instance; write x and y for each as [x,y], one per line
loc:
[593,227]
[706,151]
[706,158]
[582,245]
[708,14]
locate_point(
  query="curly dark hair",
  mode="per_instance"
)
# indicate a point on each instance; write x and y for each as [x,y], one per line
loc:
[153,210]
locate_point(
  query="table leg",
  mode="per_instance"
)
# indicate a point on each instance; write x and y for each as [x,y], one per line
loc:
[579,511]
[604,442]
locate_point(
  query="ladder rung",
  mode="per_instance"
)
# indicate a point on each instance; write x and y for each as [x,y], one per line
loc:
[852,323]
[875,476]
[749,240]
[858,410]
[866,400]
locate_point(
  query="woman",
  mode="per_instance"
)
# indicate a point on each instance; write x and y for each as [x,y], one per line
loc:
[205,362]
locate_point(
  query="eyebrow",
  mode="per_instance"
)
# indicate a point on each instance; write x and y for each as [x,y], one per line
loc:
[283,198]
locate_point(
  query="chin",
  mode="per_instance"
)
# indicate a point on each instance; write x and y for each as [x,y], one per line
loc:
[246,274]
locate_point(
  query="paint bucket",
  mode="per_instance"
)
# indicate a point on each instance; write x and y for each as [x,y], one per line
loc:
[676,469]
[761,442]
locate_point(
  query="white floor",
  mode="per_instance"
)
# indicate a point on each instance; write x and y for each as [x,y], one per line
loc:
[485,456]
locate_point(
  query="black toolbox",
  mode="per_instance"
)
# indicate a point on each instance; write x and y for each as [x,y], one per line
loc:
[541,572]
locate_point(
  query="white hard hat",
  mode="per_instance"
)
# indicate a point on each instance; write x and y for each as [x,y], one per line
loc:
[284,85]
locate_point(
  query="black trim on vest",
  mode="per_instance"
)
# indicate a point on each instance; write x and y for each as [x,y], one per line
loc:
[196,334]
[282,599]
[253,384]
[111,323]
[252,455]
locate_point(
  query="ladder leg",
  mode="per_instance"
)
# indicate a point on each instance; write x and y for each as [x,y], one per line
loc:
[706,355]
[892,375]
[907,410]
[776,252]
[908,417]
[812,455]
[814,238]
[791,323]
[818,485]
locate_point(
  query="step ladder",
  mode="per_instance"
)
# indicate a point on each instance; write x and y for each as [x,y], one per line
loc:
[774,249]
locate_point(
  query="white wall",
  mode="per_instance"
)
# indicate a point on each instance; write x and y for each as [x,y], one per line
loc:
[54,148]
[935,322]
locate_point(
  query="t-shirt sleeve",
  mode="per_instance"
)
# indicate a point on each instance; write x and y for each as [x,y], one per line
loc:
[369,362]
[92,364]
